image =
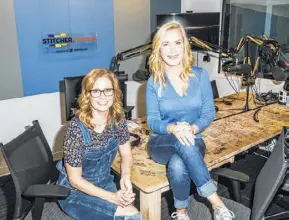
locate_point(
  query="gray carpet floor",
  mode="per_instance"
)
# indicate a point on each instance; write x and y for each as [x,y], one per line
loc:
[249,164]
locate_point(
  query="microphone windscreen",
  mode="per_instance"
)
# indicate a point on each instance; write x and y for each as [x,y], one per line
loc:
[245,68]
[279,74]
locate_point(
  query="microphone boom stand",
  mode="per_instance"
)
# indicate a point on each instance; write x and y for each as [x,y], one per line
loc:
[248,78]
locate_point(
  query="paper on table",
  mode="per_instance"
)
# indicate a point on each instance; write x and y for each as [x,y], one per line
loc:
[132,124]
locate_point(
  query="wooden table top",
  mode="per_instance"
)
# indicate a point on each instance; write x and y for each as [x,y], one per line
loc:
[224,139]
[238,103]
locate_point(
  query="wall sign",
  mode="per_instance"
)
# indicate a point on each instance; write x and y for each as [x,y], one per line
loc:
[68,43]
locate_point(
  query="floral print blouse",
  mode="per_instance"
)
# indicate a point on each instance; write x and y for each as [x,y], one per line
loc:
[74,147]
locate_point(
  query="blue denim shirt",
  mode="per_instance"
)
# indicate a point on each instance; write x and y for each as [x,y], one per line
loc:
[167,107]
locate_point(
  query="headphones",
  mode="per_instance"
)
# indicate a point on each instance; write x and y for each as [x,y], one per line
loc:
[269,52]
[284,57]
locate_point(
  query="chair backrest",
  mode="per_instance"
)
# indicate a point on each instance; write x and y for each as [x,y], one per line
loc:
[30,162]
[215,89]
[72,88]
[269,180]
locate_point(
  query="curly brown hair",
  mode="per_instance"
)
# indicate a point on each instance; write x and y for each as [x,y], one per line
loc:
[84,113]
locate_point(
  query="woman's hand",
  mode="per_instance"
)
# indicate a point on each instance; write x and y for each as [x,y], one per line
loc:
[184,133]
[126,186]
[122,200]
[117,198]
[125,183]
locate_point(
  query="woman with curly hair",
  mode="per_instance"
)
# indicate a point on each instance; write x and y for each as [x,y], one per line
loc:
[92,140]
[180,105]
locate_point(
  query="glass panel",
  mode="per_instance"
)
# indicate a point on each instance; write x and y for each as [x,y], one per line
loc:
[257,18]
[241,17]
[279,28]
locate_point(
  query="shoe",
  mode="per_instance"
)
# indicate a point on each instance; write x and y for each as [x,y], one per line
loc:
[222,213]
[180,216]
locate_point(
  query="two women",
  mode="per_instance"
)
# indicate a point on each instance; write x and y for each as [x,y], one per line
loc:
[179,106]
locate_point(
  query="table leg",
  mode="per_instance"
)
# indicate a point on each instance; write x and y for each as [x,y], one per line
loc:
[150,205]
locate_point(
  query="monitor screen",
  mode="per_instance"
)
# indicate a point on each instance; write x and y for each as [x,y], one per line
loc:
[204,26]
[72,89]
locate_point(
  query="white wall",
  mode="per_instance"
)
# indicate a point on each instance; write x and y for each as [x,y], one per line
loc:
[18,113]
[10,73]
[132,28]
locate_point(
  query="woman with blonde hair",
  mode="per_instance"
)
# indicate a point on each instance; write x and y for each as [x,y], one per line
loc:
[92,140]
[180,105]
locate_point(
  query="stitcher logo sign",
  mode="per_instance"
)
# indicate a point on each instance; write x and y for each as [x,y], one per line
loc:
[63,42]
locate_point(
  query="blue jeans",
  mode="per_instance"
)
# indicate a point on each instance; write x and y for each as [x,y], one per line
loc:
[185,163]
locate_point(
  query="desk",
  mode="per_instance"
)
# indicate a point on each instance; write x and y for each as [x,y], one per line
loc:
[224,139]
[238,104]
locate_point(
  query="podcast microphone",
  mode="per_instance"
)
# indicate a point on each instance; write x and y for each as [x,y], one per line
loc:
[241,68]
[279,74]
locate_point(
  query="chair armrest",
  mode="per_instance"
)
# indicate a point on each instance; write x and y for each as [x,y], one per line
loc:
[285,184]
[47,191]
[231,174]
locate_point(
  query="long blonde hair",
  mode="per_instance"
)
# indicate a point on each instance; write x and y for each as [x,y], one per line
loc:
[157,64]
[84,113]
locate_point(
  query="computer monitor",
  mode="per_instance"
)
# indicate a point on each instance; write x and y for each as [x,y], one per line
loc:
[204,26]
[72,89]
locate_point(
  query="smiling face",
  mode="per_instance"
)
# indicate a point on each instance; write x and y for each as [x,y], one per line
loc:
[172,47]
[102,95]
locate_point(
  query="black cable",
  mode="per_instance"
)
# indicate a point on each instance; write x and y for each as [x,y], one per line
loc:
[233,82]
[255,116]
[245,112]
[254,99]
[265,98]
[230,83]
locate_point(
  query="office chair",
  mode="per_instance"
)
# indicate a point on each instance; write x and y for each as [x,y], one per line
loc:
[284,189]
[268,182]
[30,163]
[72,89]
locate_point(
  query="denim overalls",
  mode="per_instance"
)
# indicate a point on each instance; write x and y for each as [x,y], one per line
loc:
[96,165]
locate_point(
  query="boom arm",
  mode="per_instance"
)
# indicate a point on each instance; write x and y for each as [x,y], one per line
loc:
[129,54]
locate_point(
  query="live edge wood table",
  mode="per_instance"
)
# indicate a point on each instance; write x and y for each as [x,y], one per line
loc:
[224,138]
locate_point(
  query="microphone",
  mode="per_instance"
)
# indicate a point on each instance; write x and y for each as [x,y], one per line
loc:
[241,68]
[279,74]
